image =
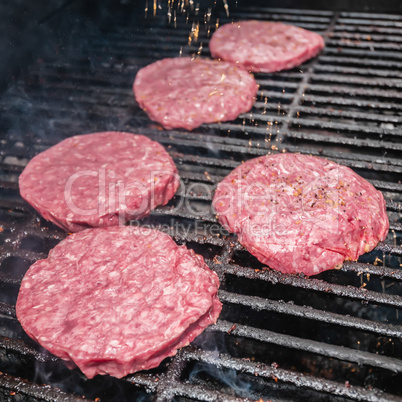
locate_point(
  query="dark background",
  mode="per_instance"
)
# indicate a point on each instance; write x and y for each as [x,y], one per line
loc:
[32,29]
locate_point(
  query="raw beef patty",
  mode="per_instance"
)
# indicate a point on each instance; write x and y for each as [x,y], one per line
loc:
[262,46]
[184,93]
[117,300]
[99,179]
[299,213]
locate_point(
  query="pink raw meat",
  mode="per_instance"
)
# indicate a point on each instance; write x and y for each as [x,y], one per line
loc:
[117,300]
[185,93]
[262,46]
[299,213]
[100,179]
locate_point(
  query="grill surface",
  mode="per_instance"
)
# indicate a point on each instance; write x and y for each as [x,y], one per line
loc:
[335,336]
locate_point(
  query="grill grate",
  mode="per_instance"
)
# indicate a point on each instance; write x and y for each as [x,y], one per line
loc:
[336,336]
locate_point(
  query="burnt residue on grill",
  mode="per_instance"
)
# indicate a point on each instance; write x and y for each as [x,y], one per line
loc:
[336,336]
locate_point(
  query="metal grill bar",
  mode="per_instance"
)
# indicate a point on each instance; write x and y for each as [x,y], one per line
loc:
[380,54]
[346,90]
[292,309]
[345,113]
[373,269]
[357,81]
[309,283]
[362,22]
[371,45]
[374,37]
[334,61]
[375,17]
[308,345]
[365,162]
[300,380]
[40,392]
[346,141]
[356,28]
[333,126]
[358,103]
[22,348]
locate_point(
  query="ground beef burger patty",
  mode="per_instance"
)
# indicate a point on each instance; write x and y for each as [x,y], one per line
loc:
[99,179]
[262,46]
[185,93]
[299,213]
[117,300]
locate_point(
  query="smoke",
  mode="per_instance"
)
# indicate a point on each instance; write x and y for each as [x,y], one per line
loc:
[226,378]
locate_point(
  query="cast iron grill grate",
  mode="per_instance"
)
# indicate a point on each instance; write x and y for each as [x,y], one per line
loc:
[336,336]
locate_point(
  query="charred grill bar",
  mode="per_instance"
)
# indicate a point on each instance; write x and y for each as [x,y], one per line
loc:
[336,336]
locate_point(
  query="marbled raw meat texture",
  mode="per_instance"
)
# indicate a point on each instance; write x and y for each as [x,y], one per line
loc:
[263,46]
[100,179]
[185,93]
[117,300]
[301,214]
